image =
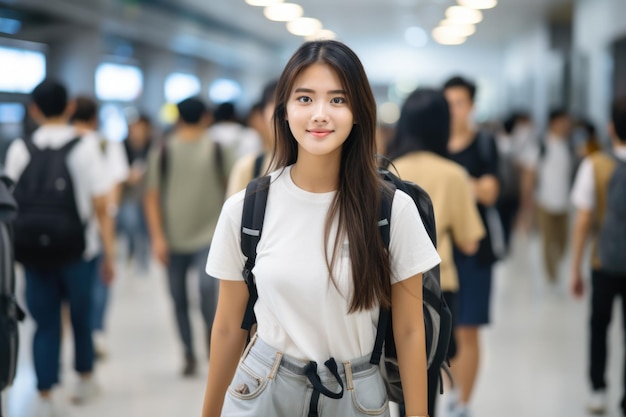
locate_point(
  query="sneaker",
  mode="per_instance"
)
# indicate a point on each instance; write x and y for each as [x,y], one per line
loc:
[86,390]
[190,367]
[450,403]
[99,345]
[45,408]
[597,402]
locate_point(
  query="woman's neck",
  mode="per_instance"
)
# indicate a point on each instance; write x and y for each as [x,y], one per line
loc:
[316,174]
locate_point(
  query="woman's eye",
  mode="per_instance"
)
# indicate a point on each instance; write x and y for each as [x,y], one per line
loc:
[338,100]
[304,99]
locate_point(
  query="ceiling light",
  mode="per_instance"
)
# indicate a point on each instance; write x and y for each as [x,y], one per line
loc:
[416,37]
[446,38]
[464,15]
[304,26]
[479,4]
[263,3]
[283,12]
[457,31]
[323,34]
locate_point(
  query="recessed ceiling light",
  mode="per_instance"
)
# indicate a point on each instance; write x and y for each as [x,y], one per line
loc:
[263,3]
[465,15]
[304,26]
[479,4]
[323,34]
[444,38]
[459,31]
[283,12]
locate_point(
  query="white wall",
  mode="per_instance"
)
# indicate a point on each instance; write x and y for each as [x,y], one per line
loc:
[597,23]
[526,71]
[432,66]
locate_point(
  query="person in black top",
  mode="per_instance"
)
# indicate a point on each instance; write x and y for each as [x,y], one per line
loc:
[476,151]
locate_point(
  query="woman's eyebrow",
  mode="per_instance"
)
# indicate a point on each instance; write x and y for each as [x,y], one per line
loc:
[310,91]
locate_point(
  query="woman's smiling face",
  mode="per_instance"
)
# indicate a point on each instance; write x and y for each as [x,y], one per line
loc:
[318,112]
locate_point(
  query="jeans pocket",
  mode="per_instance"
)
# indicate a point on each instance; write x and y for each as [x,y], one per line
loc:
[248,383]
[369,395]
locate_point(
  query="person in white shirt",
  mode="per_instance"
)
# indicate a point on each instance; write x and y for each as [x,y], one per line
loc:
[85,120]
[322,270]
[553,164]
[234,137]
[47,286]
[590,197]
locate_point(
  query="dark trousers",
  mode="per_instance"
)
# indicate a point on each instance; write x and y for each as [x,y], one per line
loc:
[605,288]
[177,268]
[45,292]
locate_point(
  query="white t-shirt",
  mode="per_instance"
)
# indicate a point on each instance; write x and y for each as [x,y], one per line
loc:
[583,192]
[299,310]
[86,166]
[241,139]
[554,172]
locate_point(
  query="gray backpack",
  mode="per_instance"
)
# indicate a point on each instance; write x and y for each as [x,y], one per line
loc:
[612,243]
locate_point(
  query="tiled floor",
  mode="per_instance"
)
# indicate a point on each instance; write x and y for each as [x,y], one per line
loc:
[533,362]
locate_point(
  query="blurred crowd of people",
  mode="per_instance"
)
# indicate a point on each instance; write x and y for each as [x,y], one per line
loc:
[162,194]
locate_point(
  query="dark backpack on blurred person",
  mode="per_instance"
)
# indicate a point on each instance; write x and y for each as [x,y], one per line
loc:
[49,232]
[612,241]
[437,315]
[10,312]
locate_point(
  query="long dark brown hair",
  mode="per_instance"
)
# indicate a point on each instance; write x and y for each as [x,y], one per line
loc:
[357,201]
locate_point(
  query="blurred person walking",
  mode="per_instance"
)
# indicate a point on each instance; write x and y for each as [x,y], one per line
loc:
[85,121]
[253,165]
[63,198]
[184,196]
[474,271]
[599,195]
[232,135]
[420,155]
[131,221]
[554,167]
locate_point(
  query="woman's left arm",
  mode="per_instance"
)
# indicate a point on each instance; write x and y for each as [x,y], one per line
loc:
[408,330]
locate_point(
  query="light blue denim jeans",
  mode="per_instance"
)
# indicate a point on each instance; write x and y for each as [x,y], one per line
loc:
[269,383]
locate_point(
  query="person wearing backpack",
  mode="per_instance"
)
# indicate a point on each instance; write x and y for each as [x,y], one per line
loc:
[253,165]
[321,268]
[599,195]
[62,196]
[185,187]
[476,152]
[420,155]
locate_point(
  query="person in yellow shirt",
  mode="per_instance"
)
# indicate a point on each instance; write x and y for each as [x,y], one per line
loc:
[419,153]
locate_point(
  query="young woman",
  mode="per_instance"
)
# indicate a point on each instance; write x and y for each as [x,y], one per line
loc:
[322,270]
[420,154]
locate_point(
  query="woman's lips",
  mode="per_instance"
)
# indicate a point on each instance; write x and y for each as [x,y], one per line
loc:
[320,133]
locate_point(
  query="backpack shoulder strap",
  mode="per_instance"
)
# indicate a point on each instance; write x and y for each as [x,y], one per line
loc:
[258,165]
[219,165]
[252,219]
[163,162]
[69,145]
[386,203]
[30,146]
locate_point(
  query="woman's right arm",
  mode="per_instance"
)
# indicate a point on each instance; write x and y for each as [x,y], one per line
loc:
[227,344]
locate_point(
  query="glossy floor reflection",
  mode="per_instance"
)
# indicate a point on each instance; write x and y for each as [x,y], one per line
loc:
[534,359]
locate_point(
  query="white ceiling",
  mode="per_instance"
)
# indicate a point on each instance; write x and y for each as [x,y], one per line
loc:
[236,35]
[378,22]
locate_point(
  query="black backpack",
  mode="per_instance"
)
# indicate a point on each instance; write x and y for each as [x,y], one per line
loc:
[49,232]
[10,312]
[437,315]
[612,241]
